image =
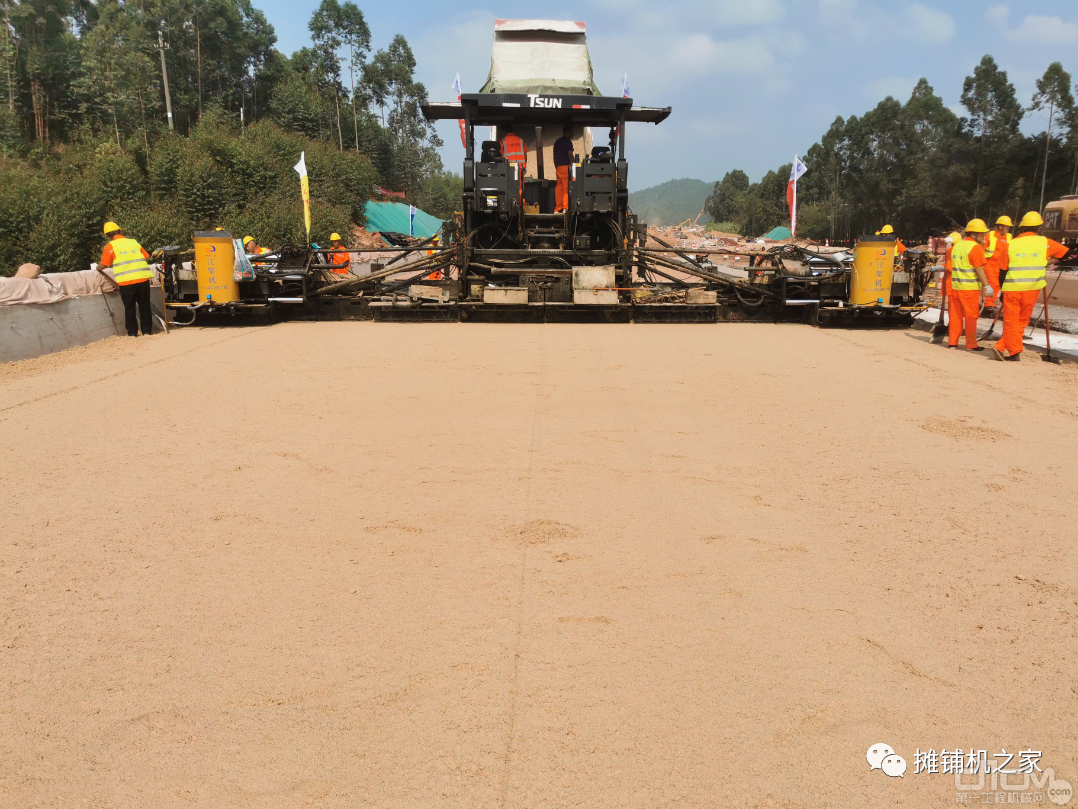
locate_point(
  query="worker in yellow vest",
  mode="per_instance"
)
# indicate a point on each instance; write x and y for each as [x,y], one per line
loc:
[1029,257]
[131,269]
[967,283]
[995,251]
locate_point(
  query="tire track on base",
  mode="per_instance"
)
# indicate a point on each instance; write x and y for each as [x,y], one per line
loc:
[129,370]
[529,512]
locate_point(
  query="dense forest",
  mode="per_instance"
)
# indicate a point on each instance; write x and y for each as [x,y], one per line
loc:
[85,135]
[921,167]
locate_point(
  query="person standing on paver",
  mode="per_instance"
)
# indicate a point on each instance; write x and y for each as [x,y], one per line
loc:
[1029,255]
[563,159]
[967,283]
[131,270]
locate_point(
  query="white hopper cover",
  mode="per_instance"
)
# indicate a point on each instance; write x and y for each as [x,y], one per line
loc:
[540,56]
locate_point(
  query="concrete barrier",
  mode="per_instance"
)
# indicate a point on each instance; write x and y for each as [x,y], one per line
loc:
[30,330]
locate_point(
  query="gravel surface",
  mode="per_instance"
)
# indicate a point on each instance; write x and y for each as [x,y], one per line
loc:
[357,564]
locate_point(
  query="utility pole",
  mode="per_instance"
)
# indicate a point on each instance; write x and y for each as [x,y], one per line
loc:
[162,46]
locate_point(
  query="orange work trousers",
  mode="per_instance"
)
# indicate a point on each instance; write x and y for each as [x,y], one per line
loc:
[992,274]
[964,306]
[1017,310]
[561,190]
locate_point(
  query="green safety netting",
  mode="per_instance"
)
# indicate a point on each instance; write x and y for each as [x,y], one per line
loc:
[778,234]
[392,217]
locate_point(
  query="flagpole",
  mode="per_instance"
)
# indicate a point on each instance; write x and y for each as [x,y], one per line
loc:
[793,210]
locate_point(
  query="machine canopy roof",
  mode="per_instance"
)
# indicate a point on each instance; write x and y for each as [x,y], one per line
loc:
[533,109]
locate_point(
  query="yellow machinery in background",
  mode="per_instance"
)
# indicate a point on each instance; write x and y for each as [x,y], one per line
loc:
[215,260]
[873,270]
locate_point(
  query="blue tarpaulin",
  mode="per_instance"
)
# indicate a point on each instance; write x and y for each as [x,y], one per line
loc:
[392,217]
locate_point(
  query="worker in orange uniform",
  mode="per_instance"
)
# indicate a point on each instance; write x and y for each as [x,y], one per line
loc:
[251,248]
[131,269]
[563,159]
[968,282]
[995,250]
[339,257]
[887,230]
[514,151]
[434,245]
[1029,255]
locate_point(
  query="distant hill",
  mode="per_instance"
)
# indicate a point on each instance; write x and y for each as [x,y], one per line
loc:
[672,202]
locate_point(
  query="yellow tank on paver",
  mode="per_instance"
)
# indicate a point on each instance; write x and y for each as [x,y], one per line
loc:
[873,268]
[215,260]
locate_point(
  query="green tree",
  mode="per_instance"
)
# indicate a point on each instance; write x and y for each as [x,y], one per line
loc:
[723,202]
[325,28]
[995,115]
[1054,96]
[119,76]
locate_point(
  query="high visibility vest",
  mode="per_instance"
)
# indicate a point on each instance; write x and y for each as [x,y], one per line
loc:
[513,149]
[990,247]
[129,266]
[1029,259]
[963,276]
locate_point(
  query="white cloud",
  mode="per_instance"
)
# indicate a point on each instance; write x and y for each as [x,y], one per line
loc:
[747,12]
[998,13]
[894,86]
[829,7]
[926,25]
[701,53]
[1040,30]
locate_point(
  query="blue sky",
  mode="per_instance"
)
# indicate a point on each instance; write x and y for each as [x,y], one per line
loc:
[751,81]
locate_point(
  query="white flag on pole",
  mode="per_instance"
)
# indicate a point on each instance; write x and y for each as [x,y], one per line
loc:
[797,170]
[625,86]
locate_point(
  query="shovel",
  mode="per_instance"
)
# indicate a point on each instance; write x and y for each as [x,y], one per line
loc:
[1047,357]
[995,318]
[939,331]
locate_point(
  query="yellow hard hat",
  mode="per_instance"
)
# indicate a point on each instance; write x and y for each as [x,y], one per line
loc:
[955,236]
[334,237]
[976,226]
[887,229]
[247,240]
[216,229]
[111,227]
[877,233]
[1031,220]
[1005,220]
